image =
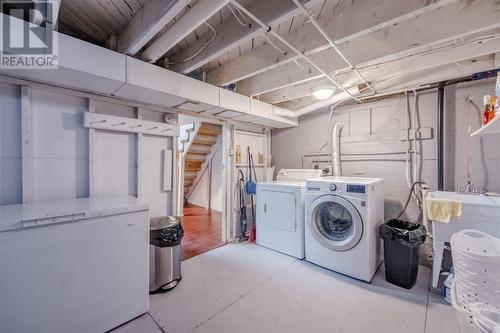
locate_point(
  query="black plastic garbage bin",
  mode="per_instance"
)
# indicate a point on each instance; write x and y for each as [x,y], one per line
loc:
[402,240]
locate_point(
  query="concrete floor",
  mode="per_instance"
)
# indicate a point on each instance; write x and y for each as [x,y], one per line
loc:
[247,288]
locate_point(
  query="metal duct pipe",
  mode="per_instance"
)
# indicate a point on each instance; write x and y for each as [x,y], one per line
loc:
[440,141]
[336,167]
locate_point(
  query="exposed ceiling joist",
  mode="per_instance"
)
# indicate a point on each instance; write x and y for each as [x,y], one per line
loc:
[355,20]
[408,82]
[55,11]
[231,34]
[198,14]
[413,34]
[151,18]
[441,56]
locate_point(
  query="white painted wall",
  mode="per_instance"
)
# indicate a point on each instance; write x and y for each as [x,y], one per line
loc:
[484,156]
[60,147]
[10,145]
[373,127]
[255,138]
[115,161]
[151,175]
[61,150]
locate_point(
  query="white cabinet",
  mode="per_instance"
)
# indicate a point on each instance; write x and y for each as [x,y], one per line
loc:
[73,266]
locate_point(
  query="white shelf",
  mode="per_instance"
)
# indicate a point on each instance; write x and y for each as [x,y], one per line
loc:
[242,165]
[129,125]
[493,127]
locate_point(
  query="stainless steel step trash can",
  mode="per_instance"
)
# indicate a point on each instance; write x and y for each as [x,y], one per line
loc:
[165,237]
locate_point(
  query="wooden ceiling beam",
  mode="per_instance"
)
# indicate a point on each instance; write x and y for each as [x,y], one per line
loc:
[440,56]
[407,82]
[231,34]
[462,18]
[349,21]
[196,15]
[149,20]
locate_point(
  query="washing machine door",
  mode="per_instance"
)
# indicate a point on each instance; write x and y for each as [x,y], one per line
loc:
[335,223]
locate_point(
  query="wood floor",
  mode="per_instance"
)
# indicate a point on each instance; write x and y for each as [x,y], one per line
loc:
[202,230]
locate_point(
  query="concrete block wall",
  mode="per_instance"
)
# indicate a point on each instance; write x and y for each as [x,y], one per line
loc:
[374,128]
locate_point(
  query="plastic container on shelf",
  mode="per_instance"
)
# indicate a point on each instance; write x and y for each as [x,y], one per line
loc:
[497,90]
[490,103]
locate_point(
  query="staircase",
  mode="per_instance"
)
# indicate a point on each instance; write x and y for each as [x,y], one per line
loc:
[200,146]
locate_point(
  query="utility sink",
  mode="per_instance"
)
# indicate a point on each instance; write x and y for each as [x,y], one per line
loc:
[479,212]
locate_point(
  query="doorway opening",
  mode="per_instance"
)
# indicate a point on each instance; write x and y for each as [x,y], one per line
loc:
[202,185]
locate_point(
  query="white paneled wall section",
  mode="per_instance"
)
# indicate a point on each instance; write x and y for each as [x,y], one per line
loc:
[10,145]
[47,154]
[259,141]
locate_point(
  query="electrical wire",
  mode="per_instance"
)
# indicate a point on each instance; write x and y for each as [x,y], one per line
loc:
[407,141]
[242,21]
[413,193]
[270,41]
[200,50]
[415,130]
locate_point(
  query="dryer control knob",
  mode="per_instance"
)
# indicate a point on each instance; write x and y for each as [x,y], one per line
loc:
[333,187]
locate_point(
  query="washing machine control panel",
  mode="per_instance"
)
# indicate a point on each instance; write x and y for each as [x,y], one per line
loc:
[356,188]
[332,187]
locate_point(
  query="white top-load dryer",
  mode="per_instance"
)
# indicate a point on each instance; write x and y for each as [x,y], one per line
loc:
[280,211]
[343,215]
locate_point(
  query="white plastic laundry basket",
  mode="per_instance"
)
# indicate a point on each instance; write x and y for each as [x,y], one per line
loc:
[476,260]
[464,313]
[486,318]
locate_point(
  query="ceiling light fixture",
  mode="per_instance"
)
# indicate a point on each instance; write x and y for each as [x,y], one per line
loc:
[323,92]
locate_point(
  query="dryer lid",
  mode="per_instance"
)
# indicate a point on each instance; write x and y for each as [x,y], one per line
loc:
[296,175]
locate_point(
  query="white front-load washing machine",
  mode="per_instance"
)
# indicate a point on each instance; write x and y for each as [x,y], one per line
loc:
[343,215]
[280,211]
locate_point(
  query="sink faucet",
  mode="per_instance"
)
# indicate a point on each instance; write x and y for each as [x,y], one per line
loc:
[469,188]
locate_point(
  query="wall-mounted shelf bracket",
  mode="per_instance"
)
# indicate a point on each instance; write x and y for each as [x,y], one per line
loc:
[129,125]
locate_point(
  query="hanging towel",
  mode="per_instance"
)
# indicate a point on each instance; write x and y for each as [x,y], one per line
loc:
[443,210]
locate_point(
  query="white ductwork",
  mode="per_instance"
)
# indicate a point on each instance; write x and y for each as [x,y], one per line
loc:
[92,69]
[284,112]
[336,166]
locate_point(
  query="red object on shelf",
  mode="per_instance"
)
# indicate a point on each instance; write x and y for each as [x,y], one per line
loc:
[489,108]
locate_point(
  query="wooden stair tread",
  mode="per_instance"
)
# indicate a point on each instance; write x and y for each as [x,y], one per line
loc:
[205,139]
[196,157]
[200,149]
[210,132]
[192,165]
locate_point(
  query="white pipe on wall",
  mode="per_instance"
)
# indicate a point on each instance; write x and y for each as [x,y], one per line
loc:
[336,167]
